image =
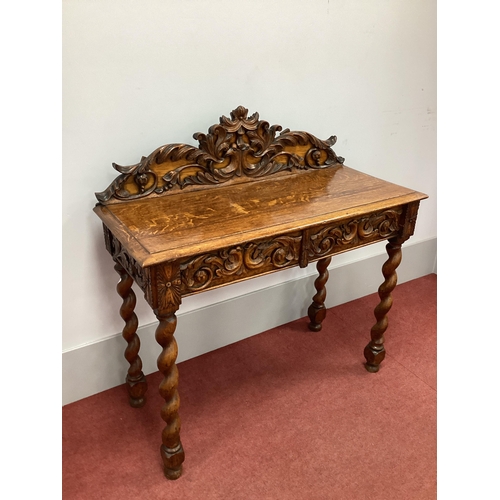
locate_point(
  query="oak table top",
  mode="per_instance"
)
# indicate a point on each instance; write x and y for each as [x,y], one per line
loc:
[246,202]
[187,223]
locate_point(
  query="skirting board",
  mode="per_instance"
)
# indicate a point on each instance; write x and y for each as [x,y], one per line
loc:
[99,366]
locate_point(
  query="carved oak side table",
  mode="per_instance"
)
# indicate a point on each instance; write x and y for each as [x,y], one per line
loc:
[248,201]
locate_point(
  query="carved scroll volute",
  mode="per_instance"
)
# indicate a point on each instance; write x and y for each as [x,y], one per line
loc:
[235,150]
[241,261]
[332,238]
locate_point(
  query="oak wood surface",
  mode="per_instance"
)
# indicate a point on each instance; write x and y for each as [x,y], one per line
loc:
[245,203]
[187,223]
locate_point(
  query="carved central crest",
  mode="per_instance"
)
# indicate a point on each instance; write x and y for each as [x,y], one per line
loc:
[239,146]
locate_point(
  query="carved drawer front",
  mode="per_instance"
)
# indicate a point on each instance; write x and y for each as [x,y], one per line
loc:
[337,237]
[240,262]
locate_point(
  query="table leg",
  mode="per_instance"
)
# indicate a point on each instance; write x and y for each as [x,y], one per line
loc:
[136,382]
[317,310]
[171,449]
[375,351]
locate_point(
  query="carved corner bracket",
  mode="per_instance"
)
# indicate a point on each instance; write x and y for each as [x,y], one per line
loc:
[161,283]
[167,294]
[237,147]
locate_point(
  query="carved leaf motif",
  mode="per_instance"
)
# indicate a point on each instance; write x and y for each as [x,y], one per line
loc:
[199,272]
[168,284]
[384,225]
[330,237]
[262,139]
[237,146]
[239,120]
[205,270]
[215,143]
[280,251]
[176,152]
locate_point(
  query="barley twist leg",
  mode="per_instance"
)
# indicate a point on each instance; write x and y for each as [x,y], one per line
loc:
[375,351]
[136,382]
[317,310]
[171,449]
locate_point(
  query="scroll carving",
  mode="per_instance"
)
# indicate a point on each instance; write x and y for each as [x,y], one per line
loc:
[211,269]
[255,258]
[244,261]
[237,147]
[333,238]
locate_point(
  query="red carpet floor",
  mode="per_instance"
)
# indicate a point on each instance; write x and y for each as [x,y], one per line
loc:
[287,414]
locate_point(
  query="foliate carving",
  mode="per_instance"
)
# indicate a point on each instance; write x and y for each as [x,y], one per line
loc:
[141,276]
[239,146]
[211,269]
[168,286]
[244,261]
[332,238]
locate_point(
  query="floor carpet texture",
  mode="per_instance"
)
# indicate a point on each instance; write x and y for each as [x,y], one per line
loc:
[286,414]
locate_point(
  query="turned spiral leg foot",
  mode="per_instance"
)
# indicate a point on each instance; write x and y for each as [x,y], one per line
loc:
[136,382]
[171,449]
[375,351]
[317,310]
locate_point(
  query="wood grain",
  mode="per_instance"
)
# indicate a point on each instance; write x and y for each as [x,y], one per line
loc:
[136,381]
[245,203]
[238,149]
[194,222]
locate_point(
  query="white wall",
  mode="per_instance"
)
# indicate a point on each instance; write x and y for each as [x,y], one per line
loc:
[140,74]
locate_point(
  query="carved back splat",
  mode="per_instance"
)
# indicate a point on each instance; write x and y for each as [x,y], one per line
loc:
[238,149]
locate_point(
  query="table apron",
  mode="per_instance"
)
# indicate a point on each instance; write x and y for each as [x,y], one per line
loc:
[172,280]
